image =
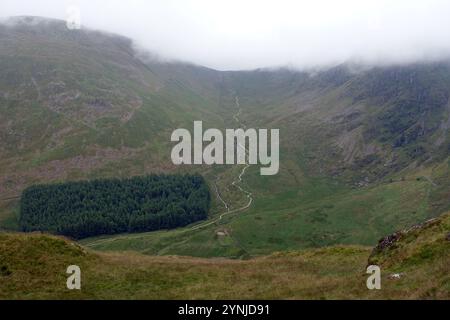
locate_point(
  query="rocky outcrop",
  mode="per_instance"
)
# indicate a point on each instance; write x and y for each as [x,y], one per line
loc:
[391,242]
[388,241]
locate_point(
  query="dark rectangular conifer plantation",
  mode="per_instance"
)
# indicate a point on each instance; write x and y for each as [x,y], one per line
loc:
[108,206]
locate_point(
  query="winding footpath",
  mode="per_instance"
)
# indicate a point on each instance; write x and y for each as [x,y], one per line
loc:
[236,182]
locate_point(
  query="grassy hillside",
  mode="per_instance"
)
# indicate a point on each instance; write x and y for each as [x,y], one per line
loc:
[82,104]
[363,152]
[33,266]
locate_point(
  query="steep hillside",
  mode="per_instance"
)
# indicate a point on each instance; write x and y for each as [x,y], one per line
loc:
[426,244]
[34,267]
[79,104]
[373,121]
[74,102]
[364,151]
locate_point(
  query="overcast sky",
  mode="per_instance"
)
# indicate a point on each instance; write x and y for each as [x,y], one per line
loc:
[246,34]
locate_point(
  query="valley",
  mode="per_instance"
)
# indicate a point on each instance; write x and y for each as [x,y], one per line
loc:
[364,152]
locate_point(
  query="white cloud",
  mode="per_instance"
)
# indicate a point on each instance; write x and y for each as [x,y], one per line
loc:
[243,34]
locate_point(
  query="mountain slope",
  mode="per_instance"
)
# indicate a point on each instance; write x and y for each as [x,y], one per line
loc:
[83,98]
[364,151]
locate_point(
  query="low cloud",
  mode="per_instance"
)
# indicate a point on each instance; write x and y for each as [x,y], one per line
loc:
[236,34]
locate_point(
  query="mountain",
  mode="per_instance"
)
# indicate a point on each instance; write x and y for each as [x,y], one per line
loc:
[80,102]
[364,150]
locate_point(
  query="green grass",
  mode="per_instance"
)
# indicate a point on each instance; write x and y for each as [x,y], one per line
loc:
[33,266]
[9,214]
[321,213]
[120,126]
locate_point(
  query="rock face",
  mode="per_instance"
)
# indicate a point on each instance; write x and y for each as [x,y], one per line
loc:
[384,244]
[388,241]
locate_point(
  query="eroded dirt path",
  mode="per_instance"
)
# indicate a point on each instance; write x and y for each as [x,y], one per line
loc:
[236,182]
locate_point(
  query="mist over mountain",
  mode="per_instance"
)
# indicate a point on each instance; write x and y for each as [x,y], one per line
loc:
[233,35]
[81,103]
[364,156]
